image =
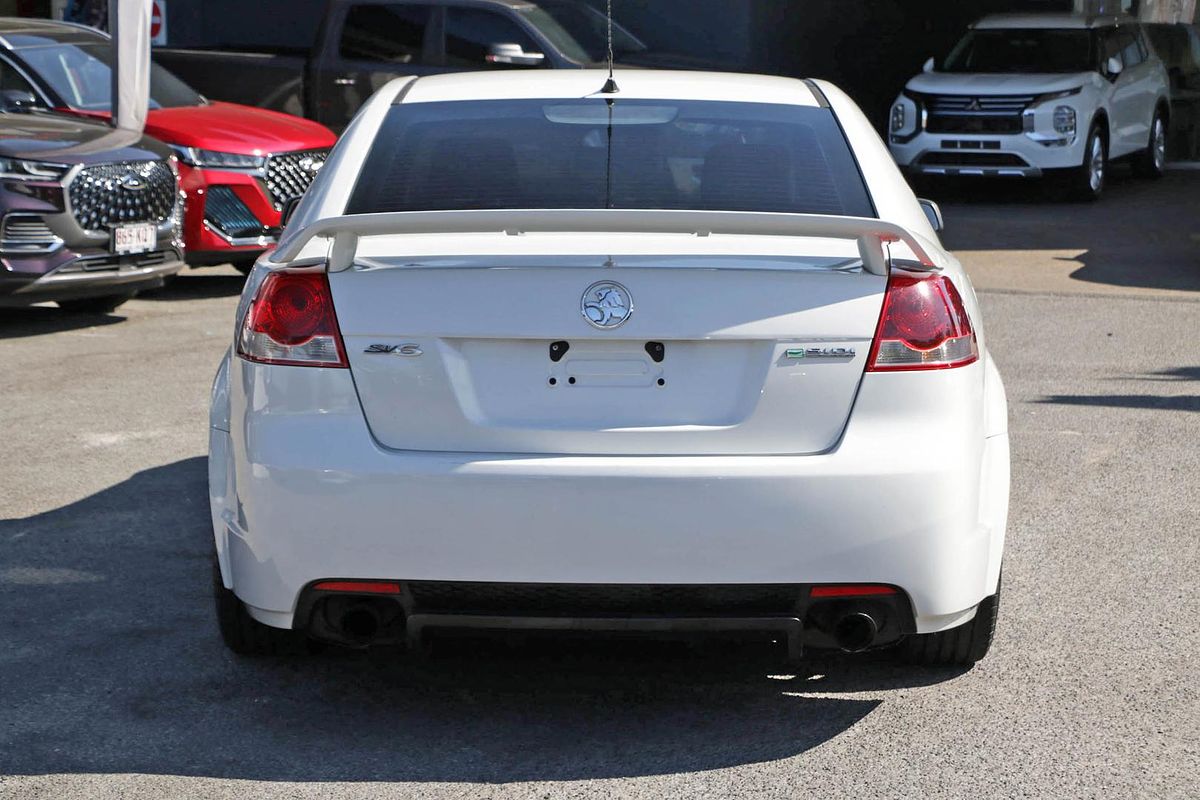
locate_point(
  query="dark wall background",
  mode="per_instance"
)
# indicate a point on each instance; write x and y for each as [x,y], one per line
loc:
[869,47]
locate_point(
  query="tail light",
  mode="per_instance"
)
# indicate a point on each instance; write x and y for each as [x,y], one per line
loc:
[923,326]
[292,321]
[852,590]
[358,587]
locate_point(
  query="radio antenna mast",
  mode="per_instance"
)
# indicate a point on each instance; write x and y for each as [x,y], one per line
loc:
[610,86]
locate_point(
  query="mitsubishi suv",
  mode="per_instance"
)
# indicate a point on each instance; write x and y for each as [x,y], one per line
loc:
[1036,94]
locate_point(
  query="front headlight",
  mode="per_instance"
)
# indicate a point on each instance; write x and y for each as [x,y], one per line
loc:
[898,117]
[218,160]
[14,169]
[1064,120]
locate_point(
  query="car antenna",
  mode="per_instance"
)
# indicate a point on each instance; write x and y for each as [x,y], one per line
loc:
[610,86]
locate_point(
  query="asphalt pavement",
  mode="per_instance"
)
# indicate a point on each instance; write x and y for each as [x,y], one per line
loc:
[113,682]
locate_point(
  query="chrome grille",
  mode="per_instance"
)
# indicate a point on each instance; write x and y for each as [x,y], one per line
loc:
[27,233]
[107,195]
[289,174]
[976,114]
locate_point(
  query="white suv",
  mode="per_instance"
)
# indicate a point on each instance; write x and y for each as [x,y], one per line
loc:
[1030,94]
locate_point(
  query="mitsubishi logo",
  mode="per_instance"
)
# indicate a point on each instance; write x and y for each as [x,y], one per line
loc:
[974,105]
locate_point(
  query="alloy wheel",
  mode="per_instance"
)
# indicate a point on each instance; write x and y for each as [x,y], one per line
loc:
[1096,166]
[1159,144]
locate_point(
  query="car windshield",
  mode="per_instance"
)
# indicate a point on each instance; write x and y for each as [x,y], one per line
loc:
[580,32]
[81,75]
[1026,51]
[645,154]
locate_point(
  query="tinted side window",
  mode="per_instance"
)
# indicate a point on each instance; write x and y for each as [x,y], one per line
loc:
[1110,47]
[10,79]
[392,33]
[1143,44]
[1130,52]
[471,32]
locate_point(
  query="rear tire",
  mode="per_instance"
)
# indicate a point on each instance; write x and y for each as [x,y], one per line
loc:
[245,635]
[957,647]
[1152,162]
[1086,182]
[243,265]
[95,305]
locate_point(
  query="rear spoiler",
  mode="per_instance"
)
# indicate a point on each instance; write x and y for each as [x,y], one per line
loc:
[871,234]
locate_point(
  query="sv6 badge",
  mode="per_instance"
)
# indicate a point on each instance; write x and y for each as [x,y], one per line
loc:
[410,350]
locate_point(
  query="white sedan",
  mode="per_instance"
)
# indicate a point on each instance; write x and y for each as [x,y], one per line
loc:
[687,356]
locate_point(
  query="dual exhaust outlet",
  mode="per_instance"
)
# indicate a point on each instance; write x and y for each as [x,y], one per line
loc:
[855,631]
[360,623]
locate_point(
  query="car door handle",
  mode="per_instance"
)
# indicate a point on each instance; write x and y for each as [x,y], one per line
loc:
[345,81]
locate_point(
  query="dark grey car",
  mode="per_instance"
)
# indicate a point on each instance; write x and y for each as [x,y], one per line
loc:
[88,215]
[363,44]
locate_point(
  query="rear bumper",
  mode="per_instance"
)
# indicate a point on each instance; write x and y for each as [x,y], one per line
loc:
[299,497]
[795,614]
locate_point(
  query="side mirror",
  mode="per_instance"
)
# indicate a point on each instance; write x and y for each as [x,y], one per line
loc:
[1114,66]
[513,55]
[17,100]
[929,65]
[289,210]
[933,213]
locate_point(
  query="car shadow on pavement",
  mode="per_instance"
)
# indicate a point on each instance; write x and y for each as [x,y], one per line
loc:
[1174,374]
[197,285]
[1148,401]
[16,323]
[1170,402]
[1140,234]
[112,663]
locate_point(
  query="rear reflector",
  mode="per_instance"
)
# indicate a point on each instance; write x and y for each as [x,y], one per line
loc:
[923,326]
[359,587]
[291,321]
[852,590]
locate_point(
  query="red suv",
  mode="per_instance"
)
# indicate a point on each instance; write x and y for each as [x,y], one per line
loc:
[237,165]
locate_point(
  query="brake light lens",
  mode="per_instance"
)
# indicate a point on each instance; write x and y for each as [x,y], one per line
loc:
[852,590]
[292,321]
[923,326]
[358,587]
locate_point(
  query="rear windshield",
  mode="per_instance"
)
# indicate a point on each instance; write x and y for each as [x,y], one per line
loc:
[1024,51]
[652,154]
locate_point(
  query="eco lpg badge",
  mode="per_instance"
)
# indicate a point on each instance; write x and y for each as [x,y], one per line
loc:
[821,352]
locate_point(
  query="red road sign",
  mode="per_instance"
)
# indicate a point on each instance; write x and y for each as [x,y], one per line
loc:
[156,18]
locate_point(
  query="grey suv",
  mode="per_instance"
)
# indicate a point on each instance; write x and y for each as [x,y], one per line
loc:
[89,215]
